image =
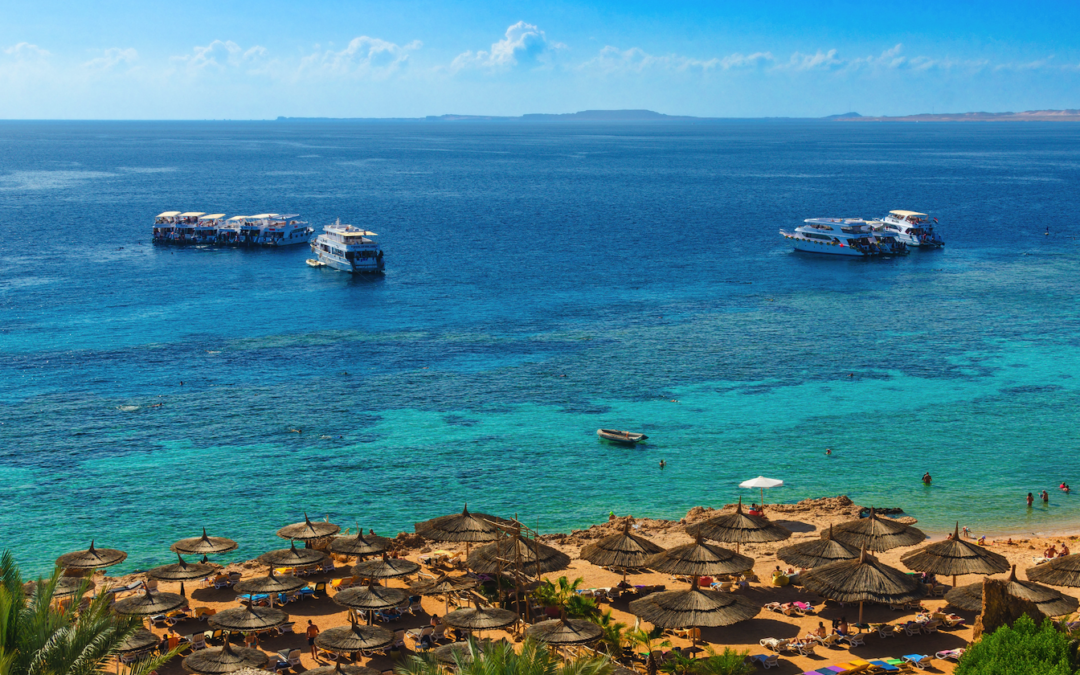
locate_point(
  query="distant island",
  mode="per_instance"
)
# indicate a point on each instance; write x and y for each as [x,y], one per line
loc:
[1028,116]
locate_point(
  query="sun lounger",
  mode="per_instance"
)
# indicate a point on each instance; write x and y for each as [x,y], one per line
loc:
[827,641]
[766,661]
[918,661]
[886,631]
[853,640]
[775,644]
[881,666]
[950,655]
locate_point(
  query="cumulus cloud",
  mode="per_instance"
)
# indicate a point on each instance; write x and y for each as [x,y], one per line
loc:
[24,51]
[817,61]
[114,56]
[522,44]
[218,56]
[363,56]
[636,60]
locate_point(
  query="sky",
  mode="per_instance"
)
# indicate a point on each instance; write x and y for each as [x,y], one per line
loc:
[260,59]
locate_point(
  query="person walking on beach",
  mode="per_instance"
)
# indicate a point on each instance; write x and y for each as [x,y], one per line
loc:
[1031,499]
[312,631]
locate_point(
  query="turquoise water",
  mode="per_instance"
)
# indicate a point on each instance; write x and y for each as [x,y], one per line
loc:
[543,281]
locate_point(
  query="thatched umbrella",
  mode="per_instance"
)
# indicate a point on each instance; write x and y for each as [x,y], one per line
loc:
[371,598]
[1063,571]
[360,546]
[149,603]
[308,531]
[248,619]
[91,559]
[565,631]
[817,552]
[182,571]
[292,557]
[455,652]
[480,619]
[385,568]
[444,585]
[64,586]
[1049,601]
[698,559]
[271,585]
[953,557]
[353,638]
[739,528]
[694,608]
[204,545]
[140,640]
[339,669]
[471,528]
[223,660]
[877,534]
[864,579]
[526,555]
[623,550]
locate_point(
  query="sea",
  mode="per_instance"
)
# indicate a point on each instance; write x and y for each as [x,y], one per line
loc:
[542,280]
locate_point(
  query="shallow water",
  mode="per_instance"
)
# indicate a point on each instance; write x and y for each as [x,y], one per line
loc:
[543,281]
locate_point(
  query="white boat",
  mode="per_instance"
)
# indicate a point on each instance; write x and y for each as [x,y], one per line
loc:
[286,231]
[619,436]
[195,227]
[841,236]
[312,262]
[349,249]
[912,228]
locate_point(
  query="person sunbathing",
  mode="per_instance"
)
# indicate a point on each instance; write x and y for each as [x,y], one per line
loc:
[817,632]
[1064,550]
[842,627]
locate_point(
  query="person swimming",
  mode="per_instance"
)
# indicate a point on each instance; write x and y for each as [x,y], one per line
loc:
[828,451]
[926,478]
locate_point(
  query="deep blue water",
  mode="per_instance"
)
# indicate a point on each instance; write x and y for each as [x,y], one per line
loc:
[542,281]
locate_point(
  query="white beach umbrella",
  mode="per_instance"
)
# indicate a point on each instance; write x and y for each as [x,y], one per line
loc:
[761,482]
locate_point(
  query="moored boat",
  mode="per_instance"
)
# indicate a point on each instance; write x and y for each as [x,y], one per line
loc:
[349,249]
[912,228]
[617,436]
[839,236]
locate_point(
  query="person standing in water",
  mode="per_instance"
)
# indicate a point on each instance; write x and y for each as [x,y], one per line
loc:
[926,478]
[1030,499]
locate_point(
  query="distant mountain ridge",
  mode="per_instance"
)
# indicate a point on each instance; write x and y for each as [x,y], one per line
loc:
[1028,116]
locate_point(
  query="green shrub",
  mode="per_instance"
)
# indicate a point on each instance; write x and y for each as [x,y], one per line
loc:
[1021,649]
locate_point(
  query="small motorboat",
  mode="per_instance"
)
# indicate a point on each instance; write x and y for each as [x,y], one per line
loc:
[616,436]
[312,262]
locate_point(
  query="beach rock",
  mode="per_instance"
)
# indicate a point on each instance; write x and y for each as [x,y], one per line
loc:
[408,540]
[1001,609]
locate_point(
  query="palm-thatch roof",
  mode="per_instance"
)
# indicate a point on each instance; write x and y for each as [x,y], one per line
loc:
[246,619]
[204,545]
[694,608]
[64,586]
[140,640]
[149,603]
[817,552]
[877,534]
[361,545]
[223,660]
[953,557]
[461,527]
[371,598]
[739,528]
[1049,601]
[342,669]
[182,570]
[308,530]
[485,618]
[865,579]
[1063,571]
[292,556]
[504,555]
[354,638]
[271,583]
[91,559]
[625,550]
[698,559]
[565,631]
[443,584]
[385,568]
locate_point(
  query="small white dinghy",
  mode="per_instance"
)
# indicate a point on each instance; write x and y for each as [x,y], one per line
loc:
[616,436]
[312,262]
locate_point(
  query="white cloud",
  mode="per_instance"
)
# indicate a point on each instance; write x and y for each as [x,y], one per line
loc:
[363,56]
[635,60]
[522,44]
[24,51]
[1038,64]
[112,57]
[817,61]
[219,55]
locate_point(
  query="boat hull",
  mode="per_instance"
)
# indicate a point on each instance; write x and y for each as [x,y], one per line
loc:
[620,437]
[830,248]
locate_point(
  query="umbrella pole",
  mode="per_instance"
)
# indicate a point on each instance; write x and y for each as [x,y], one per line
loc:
[860,616]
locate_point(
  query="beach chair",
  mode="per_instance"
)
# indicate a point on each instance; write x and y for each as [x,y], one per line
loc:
[775,644]
[880,666]
[828,641]
[912,628]
[439,634]
[150,584]
[724,586]
[804,607]
[886,630]
[320,587]
[918,661]
[286,627]
[772,606]
[198,641]
[853,640]
[931,626]
[805,648]
[766,661]
[417,633]
[950,655]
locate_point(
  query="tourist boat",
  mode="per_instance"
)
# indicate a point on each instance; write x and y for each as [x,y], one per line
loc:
[196,227]
[286,231]
[617,436]
[837,236]
[349,249]
[912,228]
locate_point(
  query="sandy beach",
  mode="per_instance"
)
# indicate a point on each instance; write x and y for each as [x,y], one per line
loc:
[806,519]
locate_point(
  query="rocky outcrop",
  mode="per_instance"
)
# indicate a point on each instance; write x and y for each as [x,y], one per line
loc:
[1001,609]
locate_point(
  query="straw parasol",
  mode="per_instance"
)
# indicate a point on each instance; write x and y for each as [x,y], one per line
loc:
[445,585]
[385,568]
[1063,571]
[877,534]
[204,545]
[339,669]
[953,557]
[739,528]
[1049,601]
[248,619]
[292,556]
[694,608]
[353,638]
[308,531]
[140,640]
[698,558]
[91,559]
[817,552]
[64,586]
[565,631]
[360,546]
[371,598]
[534,558]
[149,603]
[454,652]
[623,550]
[480,619]
[223,660]
[182,571]
[864,579]
[472,528]
[271,583]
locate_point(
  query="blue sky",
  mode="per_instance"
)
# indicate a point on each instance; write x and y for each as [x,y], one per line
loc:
[199,59]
